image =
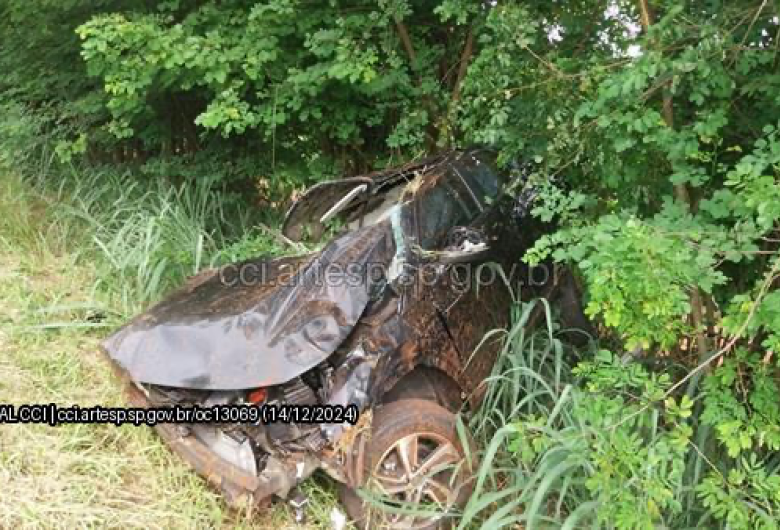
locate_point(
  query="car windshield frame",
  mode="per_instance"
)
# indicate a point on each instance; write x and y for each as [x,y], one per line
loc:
[455,192]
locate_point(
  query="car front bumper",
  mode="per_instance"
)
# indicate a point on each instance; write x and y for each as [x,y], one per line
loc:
[239,487]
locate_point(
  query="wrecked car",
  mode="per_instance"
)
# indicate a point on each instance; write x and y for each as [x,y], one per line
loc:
[388,317]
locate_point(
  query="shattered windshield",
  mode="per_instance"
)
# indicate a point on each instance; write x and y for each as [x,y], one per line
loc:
[480,176]
[439,209]
[456,199]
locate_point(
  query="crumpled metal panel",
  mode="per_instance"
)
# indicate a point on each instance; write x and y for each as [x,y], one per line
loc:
[216,336]
[305,212]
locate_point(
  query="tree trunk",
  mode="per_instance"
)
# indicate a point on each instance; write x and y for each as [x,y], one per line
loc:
[683,195]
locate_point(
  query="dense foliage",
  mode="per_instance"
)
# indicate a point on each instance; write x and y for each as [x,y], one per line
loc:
[650,128]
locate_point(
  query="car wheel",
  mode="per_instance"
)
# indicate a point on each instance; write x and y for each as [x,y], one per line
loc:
[413,455]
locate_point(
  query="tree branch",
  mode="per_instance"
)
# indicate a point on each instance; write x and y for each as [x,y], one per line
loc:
[465,59]
[683,195]
[463,66]
[403,33]
[773,274]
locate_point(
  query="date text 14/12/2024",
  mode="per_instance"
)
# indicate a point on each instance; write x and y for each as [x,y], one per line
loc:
[53,414]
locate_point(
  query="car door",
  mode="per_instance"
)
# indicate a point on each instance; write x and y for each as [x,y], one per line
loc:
[470,295]
[485,305]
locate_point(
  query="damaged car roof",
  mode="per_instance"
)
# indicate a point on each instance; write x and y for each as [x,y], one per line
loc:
[316,200]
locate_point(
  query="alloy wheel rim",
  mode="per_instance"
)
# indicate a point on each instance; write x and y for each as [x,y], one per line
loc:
[418,468]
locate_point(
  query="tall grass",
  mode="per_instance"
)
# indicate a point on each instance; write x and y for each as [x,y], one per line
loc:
[568,447]
[140,235]
[144,237]
[530,378]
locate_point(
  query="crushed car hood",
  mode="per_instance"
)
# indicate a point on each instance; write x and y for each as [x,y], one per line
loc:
[257,323]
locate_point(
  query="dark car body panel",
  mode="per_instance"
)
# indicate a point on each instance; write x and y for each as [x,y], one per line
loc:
[230,332]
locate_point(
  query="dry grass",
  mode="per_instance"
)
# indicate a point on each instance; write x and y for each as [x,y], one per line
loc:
[84,475]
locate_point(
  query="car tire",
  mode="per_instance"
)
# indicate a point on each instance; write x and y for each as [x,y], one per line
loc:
[429,431]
